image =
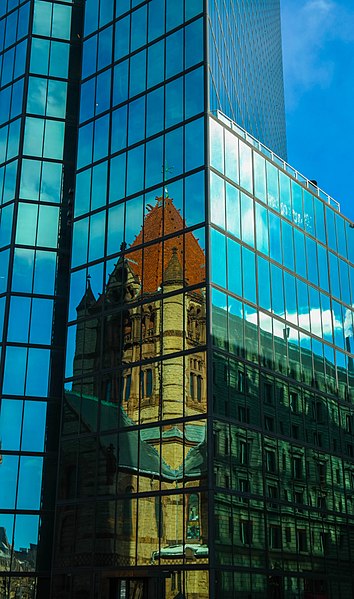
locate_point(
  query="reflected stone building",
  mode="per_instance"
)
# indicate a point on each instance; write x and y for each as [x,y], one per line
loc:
[163,526]
[203,446]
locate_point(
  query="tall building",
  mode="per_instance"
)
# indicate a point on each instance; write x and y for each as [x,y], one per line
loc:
[205,442]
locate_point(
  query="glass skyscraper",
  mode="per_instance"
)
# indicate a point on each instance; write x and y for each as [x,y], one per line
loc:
[203,443]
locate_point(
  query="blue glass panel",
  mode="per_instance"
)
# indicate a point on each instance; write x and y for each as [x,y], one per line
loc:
[155,112]
[249,275]
[139,28]
[8,481]
[38,361]
[119,129]
[194,43]
[45,271]
[15,369]
[135,170]
[156,63]
[174,153]
[174,53]
[99,185]
[156,19]
[41,321]
[117,178]
[30,483]
[19,319]
[194,144]
[11,412]
[120,82]
[174,102]
[22,277]
[234,267]
[218,258]
[136,126]
[137,73]
[154,162]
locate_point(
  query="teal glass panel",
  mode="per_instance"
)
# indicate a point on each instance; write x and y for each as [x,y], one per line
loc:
[218,258]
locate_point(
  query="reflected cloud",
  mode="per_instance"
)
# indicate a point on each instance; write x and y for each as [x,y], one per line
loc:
[307,31]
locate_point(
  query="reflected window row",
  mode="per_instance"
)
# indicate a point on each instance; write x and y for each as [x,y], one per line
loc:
[162,108]
[233,584]
[14,26]
[235,267]
[171,389]
[248,538]
[89,345]
[245,167]
[253,474]
[262,402]
[259,338]
[134,530]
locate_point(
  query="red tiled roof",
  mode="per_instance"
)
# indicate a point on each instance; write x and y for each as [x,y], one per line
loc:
[165,219]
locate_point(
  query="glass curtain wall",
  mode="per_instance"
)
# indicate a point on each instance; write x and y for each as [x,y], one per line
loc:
[132,497]
[34,46]
[282,333]
[246,69]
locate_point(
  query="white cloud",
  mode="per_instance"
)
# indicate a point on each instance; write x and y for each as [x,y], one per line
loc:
[309,28]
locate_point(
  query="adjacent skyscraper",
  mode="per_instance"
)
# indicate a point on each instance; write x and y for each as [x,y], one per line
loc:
[205,445]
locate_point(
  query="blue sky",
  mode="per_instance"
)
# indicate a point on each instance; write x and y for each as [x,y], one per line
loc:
[318,54]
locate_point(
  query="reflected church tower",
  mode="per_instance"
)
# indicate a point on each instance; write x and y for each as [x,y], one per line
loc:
[127,335]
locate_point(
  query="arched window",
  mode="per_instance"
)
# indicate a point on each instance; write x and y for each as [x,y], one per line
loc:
[193,524]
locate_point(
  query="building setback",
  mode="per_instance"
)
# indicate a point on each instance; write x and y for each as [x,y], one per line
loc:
[203,445]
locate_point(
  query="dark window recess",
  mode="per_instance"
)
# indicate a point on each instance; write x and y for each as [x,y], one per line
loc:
[244,414]
[268,393]
[244,449]
[270,461]
[301,539]
[297,467]
[246,532]
[275,537]
[294,402]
